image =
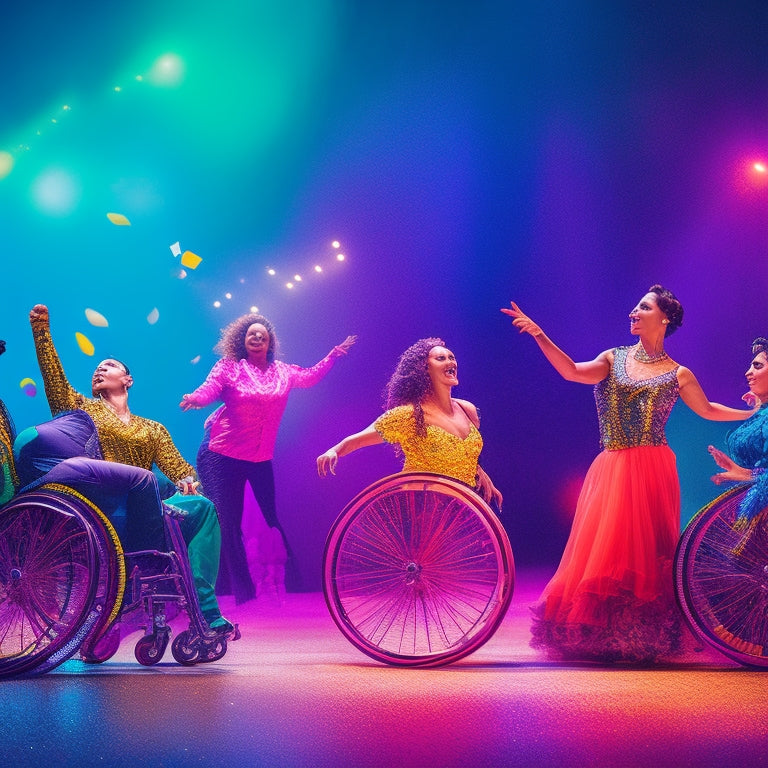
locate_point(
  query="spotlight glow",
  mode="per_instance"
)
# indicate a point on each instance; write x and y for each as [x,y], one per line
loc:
[168,70]
[336,244]
[227,295]
[289,285]
[217,303]
[297,278]
[760,167]
[340,257]
[271,272]
[254,310]
[318,268]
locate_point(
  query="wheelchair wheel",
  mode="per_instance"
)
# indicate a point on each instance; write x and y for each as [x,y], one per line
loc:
[54,587]
[721,579]
[417,570]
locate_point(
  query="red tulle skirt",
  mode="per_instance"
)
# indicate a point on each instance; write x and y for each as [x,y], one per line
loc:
[612,596]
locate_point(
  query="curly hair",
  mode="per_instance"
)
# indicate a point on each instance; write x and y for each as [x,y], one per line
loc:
[667,302]
[231,344]
[760,345]
[410,381]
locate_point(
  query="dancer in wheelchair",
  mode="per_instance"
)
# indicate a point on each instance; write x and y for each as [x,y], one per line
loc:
[746,459]
[434,431]
[140,443]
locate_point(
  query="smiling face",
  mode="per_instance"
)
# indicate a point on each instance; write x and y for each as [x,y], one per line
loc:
[257,342]
[442,368]
[757,377]
[110,377]
[646,318]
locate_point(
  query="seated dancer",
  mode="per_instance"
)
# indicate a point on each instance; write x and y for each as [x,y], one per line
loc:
[747,458]
[139,442]
[434,431]
[66,451]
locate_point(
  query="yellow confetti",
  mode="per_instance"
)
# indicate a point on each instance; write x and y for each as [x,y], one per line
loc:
[153,316]
[190,260]
[118,219]
[85,344]
[23,383]
[96,318]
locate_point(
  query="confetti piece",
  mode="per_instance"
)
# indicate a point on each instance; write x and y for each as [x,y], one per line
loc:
[175,249]
[28,387]
[153,316]
[85,344]
[96,318]
[190,260]
[118,219]
[195,360]
[182,273]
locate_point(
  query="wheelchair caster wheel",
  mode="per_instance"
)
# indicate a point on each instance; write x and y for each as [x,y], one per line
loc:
[213,650]
[150,649]
[186,648]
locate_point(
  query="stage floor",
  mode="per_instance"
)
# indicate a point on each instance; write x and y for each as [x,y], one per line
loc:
[294,692]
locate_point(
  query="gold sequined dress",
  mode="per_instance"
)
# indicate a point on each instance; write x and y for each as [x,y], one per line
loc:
[612,598]
[439,451]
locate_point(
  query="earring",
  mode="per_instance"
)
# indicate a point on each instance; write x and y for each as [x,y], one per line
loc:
[666,322]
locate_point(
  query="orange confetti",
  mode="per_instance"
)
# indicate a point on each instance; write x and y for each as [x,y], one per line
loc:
[190,260]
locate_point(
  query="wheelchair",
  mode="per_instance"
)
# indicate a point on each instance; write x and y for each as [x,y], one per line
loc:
[721,579]
[66,586]
[417,570]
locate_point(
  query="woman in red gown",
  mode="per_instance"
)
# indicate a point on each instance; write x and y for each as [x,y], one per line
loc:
[611,598]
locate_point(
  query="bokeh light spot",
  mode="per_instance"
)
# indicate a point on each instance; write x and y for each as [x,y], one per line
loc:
[6,164]
[56,192]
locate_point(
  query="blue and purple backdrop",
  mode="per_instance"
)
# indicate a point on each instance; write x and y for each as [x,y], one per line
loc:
[432,161]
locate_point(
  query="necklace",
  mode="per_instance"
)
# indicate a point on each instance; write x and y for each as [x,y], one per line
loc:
[643,357]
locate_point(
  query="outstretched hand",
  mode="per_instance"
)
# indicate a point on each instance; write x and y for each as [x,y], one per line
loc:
[733,472]
[327,463]
[347,343]
[521,321]
[39,312]
[188,405]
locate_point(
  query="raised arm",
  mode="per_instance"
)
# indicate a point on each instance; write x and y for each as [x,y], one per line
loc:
[590,372]
[60,394]
[327,461]
[693,396]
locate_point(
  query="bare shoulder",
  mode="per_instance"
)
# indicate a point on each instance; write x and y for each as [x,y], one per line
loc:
[469,408]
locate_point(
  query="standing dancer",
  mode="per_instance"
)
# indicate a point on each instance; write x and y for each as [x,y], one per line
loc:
[611,598]
[240,435]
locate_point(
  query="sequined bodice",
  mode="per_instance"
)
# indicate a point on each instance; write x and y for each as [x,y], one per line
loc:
[439,451]
[634,412]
